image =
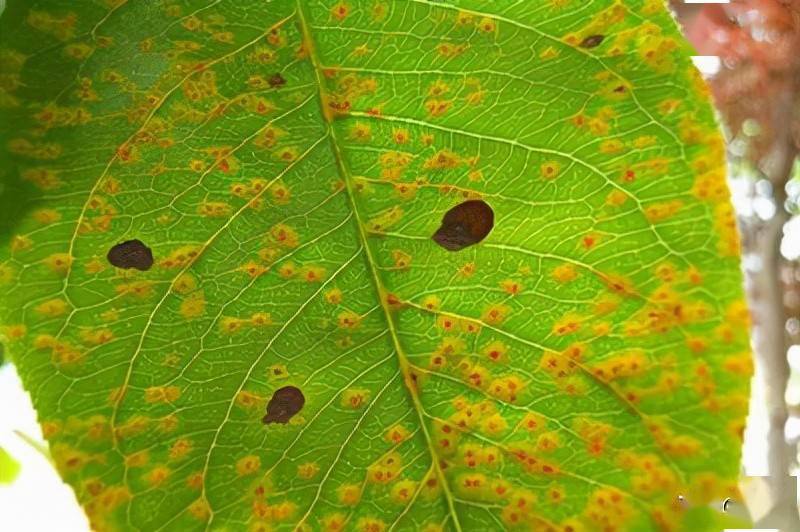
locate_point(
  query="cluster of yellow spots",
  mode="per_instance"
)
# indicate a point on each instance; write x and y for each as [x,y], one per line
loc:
[63,353]
[529,457]
[608,509]
[630,364]
[254,104]
[657,212]
[347,89]
[268,513]
[43,178]
[666,309]
[452,323]
[393,164]
[443,159]
[94,337]
[137,289]
[31,150]
[385,469]
[52,116]
[62,28]
[448,50]
[137,424]
[52,307]
[650,475]
[671,443]
[252,191]
[181,258]
[68,459]
[231,325]
[214,209]
[474,455]
[385,220]
[102,502]
[162,394]
[506,388]
[102,214]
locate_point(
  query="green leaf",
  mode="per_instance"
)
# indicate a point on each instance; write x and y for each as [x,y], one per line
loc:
[299,351]
[9,467]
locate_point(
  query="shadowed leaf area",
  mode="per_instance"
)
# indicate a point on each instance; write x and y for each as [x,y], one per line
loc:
[372,265]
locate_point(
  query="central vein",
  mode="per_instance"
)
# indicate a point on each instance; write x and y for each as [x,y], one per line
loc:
[308,43]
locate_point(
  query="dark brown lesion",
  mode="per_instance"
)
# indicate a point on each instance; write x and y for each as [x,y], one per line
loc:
[591,41]
[276,80]
[464,225]
[286,402]
[131,254]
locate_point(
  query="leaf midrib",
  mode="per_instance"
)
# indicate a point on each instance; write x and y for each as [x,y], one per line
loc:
[309,45]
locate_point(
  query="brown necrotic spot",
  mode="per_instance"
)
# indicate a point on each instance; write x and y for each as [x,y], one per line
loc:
[276,80]
[285,403]
[131,254]
[464,225]
[591,41]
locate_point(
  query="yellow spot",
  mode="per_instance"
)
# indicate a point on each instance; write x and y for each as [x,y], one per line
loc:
[185,283]
[348,320]
[550,169]
[137,459]
[260,319]
[193,306]
[52,307]
[180,448]
[231,325]
[58,263]
[349,494]
[397,434]
[200,509]
[248,465]
[355,398]
[158,475]
[307,470]
[495,314]
[333,296]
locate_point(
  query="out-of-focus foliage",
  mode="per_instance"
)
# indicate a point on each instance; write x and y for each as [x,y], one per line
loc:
[9,467]
[758,42]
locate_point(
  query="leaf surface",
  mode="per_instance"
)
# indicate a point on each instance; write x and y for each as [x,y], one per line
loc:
[410,265]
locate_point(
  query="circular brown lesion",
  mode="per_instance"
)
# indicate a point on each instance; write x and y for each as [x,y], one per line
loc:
[465,225]
[285,403]
[131,254]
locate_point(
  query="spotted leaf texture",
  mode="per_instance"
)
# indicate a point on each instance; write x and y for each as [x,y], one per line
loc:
[371,265]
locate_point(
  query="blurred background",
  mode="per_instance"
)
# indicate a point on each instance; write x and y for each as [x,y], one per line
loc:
[749,50]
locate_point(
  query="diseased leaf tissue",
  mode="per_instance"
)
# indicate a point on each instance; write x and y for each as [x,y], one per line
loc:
[223,285]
